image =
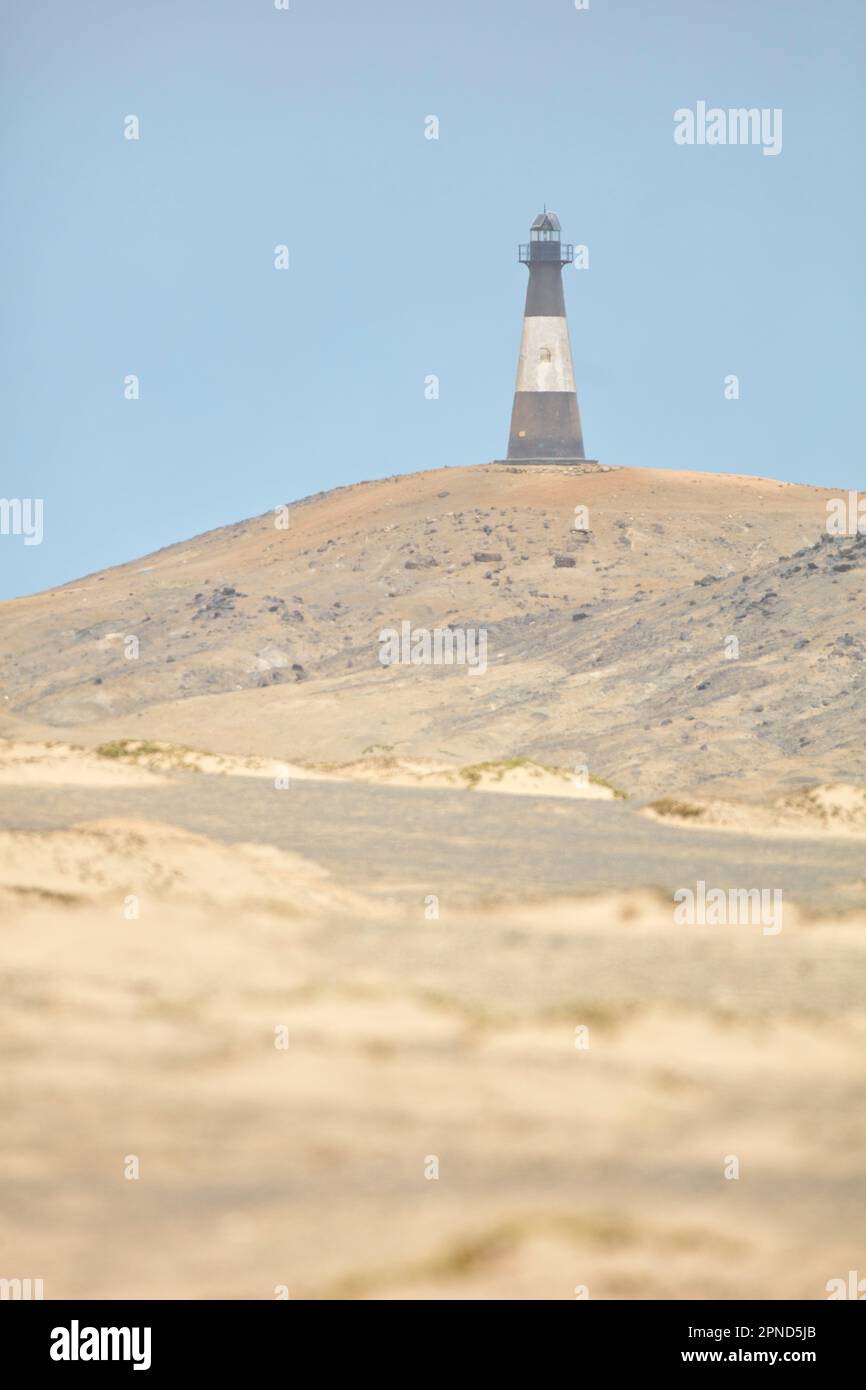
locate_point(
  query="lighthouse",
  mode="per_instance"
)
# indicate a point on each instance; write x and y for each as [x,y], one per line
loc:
[545,421]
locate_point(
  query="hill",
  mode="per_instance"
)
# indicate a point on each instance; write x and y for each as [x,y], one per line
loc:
[607,646]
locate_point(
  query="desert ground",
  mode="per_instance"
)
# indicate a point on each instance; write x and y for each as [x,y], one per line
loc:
[334,980]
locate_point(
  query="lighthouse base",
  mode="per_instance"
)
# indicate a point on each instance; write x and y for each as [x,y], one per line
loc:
[560,463]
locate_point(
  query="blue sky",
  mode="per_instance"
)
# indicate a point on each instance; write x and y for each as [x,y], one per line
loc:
[306,128]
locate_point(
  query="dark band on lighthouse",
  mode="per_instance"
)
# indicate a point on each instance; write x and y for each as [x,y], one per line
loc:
[545,421]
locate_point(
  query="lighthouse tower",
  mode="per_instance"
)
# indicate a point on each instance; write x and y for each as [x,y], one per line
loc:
[545,421]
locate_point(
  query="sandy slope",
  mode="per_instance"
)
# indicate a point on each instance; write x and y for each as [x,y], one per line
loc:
[115,858]
[412,1038]
[837,811]
[54,764]
[139,763]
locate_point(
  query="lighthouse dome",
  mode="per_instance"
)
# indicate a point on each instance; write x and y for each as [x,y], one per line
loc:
[545,222]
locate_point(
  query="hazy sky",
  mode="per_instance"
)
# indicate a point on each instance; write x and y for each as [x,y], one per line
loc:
[261,127]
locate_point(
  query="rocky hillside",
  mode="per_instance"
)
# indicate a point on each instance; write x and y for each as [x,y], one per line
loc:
[667,630]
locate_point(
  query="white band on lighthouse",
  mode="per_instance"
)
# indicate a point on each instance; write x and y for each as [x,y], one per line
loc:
[545,355]
[545,419]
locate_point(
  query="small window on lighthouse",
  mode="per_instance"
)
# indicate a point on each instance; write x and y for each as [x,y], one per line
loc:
[544,355]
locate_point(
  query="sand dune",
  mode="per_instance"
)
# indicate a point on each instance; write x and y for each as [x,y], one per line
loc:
[580,1071]
[117,857]
[835,810]
[63,765]
[508,776]
[139,763]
